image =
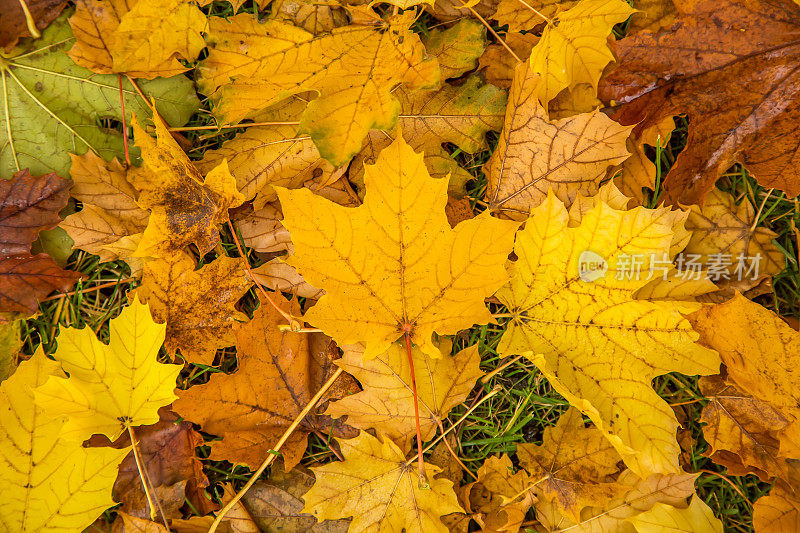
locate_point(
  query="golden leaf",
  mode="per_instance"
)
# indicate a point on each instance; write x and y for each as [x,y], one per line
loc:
[47,483]
[394,262]
[534,155]
[505,495]
[575,464]
[251,66]
[197,305]
[457,48]
[184,208]
[663,518]
[778,512]
[387,402]
[638,171]
[585,329]
[278,373]
[110,386]
[498,65]
[376,486]
[141,38]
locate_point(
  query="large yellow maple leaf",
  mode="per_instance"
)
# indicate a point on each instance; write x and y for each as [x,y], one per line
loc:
[354,69]
[394,265]
[598,344]
[47,483]
[380,490]
[111,386]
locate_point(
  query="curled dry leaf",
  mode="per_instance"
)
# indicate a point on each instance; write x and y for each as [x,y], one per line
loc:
[314,16]
[387,401]
[43,86]
[394,260]
[534,155]
[688,68]
[198,306]
[593,338]
[278,373]
[47,482]
[110,386]
[353,69]
[377,488]
[575,466]
[142,38]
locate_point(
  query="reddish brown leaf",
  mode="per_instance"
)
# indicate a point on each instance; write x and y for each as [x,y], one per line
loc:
[28,205]
[12,18]
[732,67]
[25,279]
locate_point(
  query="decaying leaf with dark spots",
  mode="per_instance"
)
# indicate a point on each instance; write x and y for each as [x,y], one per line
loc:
[278,373]
[185,209]
[197,305]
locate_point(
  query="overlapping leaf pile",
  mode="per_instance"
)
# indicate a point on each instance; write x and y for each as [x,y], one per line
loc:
[359,190]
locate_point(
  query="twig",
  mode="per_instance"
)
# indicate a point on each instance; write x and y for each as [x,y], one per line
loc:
[268,461]
[500,368]
[95,288]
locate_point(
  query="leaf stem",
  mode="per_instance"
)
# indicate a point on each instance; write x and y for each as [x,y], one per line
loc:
[34,31]
[268,461]
[420,463]
[124,124]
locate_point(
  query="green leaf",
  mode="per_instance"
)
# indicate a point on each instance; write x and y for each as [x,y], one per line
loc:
[50,107]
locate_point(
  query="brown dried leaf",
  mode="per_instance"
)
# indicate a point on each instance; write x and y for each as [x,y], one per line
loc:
[26,279]
[28,205]
[13,24]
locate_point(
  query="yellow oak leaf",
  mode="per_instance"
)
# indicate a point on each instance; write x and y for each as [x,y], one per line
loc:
[279,372]
[534,155]
[584,327]
[729,243]
[110,212]
[612,515]
[576,466]
[573,48]
[110,386]
[47,483]
[197,305]
[460,115]
[663,518]
[353,69]
[387,401]
[184,208]
[393,265]
[142,38]
[380,490]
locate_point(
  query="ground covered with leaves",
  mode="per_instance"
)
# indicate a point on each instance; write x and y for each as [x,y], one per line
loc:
[311,265]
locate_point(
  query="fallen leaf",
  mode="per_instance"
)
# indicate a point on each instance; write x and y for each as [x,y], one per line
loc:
[65,101]
[314,16]
[14,25]
[387,401]
[457,48]
[126,523]
[573,48]
[599,346]
[353,69]
[778,512]
[110,386]
[535,155]
[278,373]
[575,466]
[26,279]
[10,343]
[184,208]
[451,10]
[638,171]
[498,65]
[47,483]
[278,276]
[28,205]
[506,496]
[142,38]
[663,518]
[687,70]
[377,488]
[395,259]
[198,306]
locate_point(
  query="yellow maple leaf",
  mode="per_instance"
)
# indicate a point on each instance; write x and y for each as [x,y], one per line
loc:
[509,496]
[573,47]
[197,305]
[663,518]
[393,265]
[111,386]
[380,490]
[387,401]
[574,466]
[184,208]
[142,38]
[569,156]
[47,483]
[575,312]
[353,69]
